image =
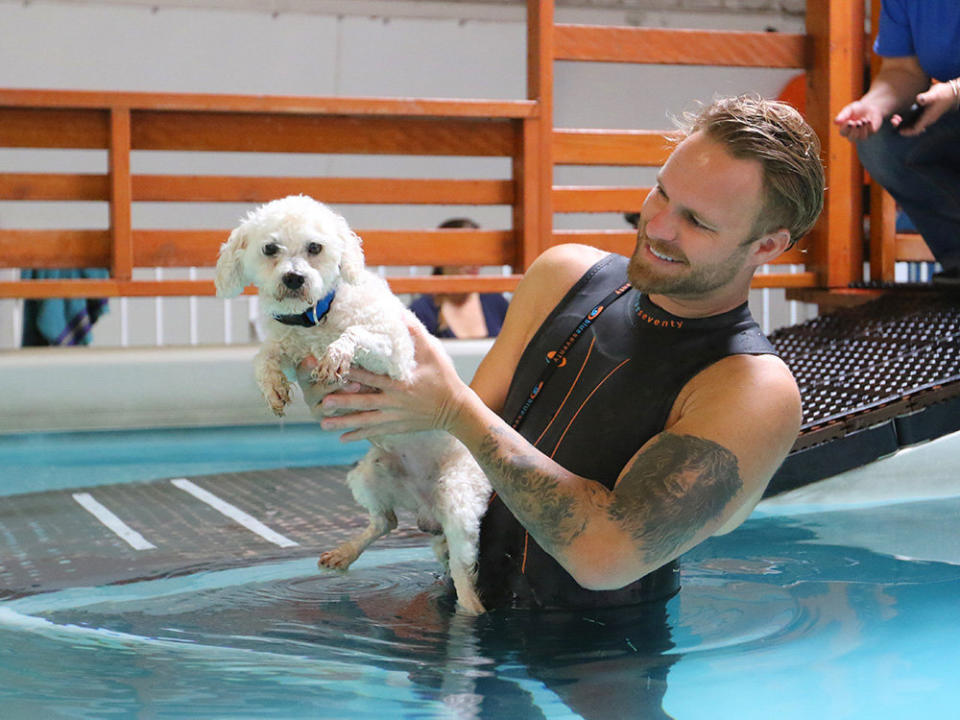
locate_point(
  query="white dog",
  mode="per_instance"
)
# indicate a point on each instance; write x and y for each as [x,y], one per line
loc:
[319,300]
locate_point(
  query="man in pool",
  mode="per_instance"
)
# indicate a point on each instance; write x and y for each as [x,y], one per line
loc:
[629,409]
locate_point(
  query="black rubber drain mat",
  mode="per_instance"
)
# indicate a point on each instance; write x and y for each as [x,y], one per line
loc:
[874,378]
[50,540]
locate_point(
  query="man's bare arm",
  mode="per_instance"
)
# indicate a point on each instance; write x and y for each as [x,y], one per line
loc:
[677,485]
[675,492]
[729,430]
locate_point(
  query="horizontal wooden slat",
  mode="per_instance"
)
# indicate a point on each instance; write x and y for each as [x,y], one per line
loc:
[570,199]
[230,188]
[785,280]
[33,289]
[198,102]
[679,47]
[275,132]
[54,186]
[439,247]
[177,248]
[793,256]
[454,283]
[648,148]
[54,249]
[912,248]
[617,241]
[199,248]
[33,128]
[179,188]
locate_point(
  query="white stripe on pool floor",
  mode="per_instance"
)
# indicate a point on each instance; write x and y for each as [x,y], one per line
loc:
[234,513]
[118,526]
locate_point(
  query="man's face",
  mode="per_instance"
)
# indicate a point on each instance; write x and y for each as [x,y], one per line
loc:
[694,232]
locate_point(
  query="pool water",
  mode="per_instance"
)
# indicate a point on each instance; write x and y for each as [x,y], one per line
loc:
[803,612]
[33,462]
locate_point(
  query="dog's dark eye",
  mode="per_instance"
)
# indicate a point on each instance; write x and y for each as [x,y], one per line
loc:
[314,248]
[271,249]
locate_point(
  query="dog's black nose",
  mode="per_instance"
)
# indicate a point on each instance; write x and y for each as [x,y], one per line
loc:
[293,280]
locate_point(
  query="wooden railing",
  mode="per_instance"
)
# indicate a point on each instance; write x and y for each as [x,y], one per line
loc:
[831,51]
[121,123]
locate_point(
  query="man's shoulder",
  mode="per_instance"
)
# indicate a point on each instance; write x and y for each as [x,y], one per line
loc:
[561,266]
[759,386]
[767,371]
[569,255]
[545,284]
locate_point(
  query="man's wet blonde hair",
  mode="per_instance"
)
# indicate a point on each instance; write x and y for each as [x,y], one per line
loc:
[776,135]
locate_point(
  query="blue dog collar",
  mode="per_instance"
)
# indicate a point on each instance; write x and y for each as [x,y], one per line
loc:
[311,316]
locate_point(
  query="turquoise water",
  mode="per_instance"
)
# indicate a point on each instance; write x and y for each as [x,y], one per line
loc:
[818,612]
[33,462]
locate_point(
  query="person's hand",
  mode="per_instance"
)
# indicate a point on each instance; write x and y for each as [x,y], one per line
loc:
[315,392]
[936,101]
[859,120]
[430,400]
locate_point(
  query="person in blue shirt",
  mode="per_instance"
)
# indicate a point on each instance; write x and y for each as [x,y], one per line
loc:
[916,157]
[461,315]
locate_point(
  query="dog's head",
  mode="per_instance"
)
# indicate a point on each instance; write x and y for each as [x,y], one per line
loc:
[294,250]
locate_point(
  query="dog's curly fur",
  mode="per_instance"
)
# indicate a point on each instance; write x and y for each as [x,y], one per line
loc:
[295,251]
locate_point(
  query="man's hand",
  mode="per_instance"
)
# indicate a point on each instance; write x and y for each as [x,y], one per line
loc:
[430,400]
[314,392]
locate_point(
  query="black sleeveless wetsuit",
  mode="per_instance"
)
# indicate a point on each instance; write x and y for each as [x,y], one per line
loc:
[613,392]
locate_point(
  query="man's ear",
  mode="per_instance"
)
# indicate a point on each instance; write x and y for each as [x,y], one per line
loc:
[771,246]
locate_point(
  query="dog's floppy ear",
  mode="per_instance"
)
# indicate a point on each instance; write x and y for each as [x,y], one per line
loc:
[230,280]
[351,261]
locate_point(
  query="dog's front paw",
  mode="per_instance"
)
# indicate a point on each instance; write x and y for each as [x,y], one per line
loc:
[340,558]
[334,364]
[277,394]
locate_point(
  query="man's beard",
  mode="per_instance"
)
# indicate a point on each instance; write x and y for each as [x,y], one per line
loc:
[644,276]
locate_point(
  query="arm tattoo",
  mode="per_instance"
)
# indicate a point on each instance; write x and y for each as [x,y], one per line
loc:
[535,496]
[674,487]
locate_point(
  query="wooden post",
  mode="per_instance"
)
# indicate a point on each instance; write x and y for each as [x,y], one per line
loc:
[883,210]
[540,89]
[835,78]
[883,234]
[121,230]
[526,206]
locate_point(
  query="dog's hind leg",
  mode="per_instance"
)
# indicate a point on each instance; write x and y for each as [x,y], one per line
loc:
[462,559]
[342,556]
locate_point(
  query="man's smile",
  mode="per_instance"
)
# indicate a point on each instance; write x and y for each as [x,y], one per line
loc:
[662,256]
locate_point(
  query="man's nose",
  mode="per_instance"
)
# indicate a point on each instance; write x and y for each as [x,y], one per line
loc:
[660,224]
[293,280]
